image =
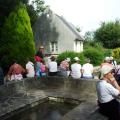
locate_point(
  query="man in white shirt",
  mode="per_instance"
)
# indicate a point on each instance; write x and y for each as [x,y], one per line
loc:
[87,70]
[76,69]
[108,90]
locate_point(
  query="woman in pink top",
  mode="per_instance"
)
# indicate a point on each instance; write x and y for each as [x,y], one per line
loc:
[64,68]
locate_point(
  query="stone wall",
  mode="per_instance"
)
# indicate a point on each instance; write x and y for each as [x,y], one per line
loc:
[79,86]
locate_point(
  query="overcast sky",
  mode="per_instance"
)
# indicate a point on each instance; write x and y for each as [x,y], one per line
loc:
[87,14]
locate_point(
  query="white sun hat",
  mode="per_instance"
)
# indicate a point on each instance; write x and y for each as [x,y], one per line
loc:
[107,59]
[67,59]
[105,70]
[76,59]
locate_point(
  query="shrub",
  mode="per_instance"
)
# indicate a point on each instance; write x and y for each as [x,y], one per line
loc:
[96,56]
[71,55]
[116,54]
[107,52]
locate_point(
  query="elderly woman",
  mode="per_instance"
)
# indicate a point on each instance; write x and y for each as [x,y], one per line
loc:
[108,90]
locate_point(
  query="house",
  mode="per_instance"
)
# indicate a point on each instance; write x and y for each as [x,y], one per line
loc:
[56,34]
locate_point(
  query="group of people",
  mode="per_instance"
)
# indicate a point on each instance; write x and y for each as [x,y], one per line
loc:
[43,67]
[75,70]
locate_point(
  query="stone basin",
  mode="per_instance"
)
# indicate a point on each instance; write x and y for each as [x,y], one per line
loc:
[16,97]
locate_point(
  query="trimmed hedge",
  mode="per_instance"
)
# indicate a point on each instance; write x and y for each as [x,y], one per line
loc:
[71,55]
[96,56]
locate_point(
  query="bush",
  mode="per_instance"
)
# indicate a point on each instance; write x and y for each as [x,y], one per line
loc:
[116,54]
[107,52]
[71,55]
[96,56]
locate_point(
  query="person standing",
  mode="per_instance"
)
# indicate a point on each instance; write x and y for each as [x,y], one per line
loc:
[107,91]
[40,52]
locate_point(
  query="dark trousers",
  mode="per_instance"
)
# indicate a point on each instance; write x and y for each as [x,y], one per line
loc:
[110,109]
[52,73]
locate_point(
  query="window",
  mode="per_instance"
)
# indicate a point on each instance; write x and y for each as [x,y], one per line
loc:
[53,46]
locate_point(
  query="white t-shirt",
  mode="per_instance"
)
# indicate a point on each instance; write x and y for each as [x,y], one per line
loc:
[76,70]
[105,91]
[88,69]
[30,69]
[52,66]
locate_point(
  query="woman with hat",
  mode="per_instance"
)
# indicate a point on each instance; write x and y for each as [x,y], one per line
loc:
[108,90]
[76,69]
[64,68]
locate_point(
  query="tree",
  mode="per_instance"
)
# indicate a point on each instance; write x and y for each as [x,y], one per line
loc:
[109,34]
[32,13]
[34,9]
[17,40]
[89,36]
[39,6]
[7,6]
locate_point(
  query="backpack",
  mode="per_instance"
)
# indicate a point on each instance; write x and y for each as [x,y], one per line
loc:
[42,68]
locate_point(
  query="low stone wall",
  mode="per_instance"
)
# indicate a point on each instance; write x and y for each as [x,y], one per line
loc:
[80,86]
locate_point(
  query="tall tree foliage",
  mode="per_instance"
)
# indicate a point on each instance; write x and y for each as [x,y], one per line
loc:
[17,38]
[109,34]
[34,9]
[40,6]
[7,6]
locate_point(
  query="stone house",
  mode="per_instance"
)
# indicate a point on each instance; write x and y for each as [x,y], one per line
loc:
[56,34]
